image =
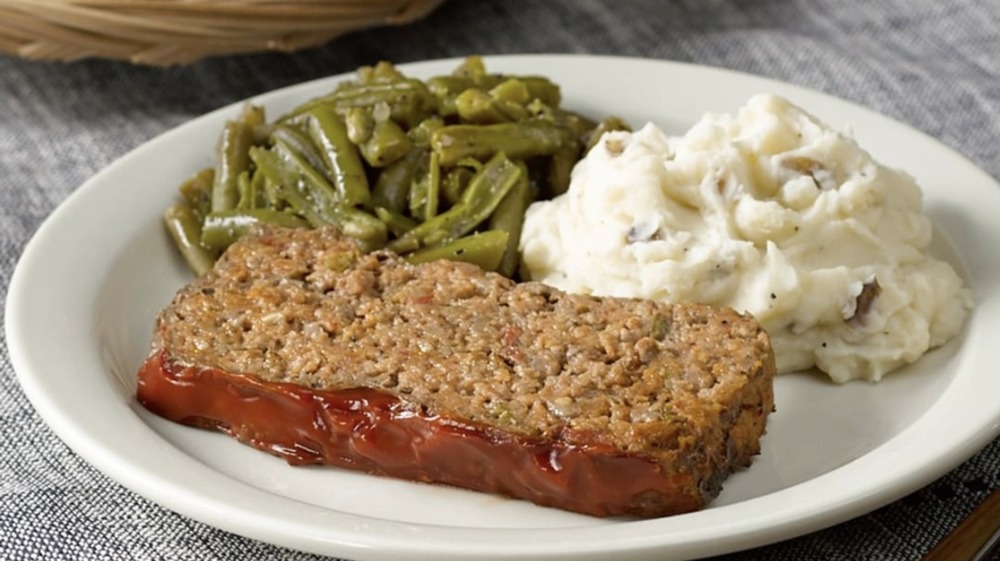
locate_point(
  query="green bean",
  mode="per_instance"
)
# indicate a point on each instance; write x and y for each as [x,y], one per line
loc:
[485,249]
[476,106]
[425,164]
[272,197]
[511,91]
[382,71]
[421,134]
[185,229]
[447,88]
[284,183]
[269,163]
[409,100]
[392,188]
[492,182]
[196,191]
[387,143]
[221,229]
[368,230]
[231,160]
[258,191]
[480,198]
[509,217]
[423,198]
[245,200]
[471,67]
[580,126]
[606,125]
[454,183]
[314,201]
[322,193]
[526,139]
[560,167]
[433,187]
[360,124]
[397,224]
[296,139]
[340,156]
[252,115]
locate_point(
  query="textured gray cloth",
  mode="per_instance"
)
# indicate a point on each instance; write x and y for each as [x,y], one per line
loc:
[934,64]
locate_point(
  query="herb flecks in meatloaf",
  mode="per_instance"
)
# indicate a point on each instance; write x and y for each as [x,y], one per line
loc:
[686,388]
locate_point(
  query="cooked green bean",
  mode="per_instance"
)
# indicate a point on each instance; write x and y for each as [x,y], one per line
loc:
[447,88]
[382,71]
[360,124]
[421,134]
[363,227]
[606,125]
[526,139]
[392,188]
[284,183]
[258,192]
[397,224]
[485,249]
[492,182]
[296,138]
[269,163]
[387,143]
[454,183]
[505,102]
[511,90]
[340,156]
[509,217]
[184,227]
[320,191]
[480,198]
[476,106]
[409,100]
[220,229]
[423,199]
[442,168]
[560,167]
[245,200]
[196,191]
[230,161]
[580,126]
[470,67]
[252,115]
[300,204]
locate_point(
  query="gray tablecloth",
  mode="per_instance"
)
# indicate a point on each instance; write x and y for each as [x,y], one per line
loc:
[934,64]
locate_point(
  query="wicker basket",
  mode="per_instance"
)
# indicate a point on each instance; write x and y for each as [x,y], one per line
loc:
[166,32]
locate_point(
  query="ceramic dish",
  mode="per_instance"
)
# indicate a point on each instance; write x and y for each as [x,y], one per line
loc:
[83,297]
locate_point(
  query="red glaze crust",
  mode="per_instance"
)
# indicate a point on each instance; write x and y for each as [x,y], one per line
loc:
[369,430]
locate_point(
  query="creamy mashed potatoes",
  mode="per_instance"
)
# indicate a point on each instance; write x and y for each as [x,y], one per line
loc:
[770,212]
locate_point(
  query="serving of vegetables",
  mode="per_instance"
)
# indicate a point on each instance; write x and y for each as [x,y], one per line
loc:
[442,168]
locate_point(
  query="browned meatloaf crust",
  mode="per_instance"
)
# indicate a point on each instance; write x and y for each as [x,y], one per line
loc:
[302,346]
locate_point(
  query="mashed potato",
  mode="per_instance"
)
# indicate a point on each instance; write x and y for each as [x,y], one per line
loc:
[770,212]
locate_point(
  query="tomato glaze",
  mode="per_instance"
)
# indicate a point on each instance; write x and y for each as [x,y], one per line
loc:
[376,432]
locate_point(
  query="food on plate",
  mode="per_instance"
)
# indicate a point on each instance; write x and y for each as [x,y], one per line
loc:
[431,169]
[302,344]
[768,211]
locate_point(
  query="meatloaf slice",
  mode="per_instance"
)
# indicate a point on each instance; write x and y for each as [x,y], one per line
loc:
[300,345]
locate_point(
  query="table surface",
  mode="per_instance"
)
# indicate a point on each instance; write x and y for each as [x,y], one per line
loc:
[930,63]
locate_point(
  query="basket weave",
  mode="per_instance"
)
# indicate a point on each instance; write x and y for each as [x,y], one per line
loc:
[167,32]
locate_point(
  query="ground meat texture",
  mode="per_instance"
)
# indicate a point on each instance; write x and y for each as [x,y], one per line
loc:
[605,406]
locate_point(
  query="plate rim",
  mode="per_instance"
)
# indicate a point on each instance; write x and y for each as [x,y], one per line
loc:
[751,534]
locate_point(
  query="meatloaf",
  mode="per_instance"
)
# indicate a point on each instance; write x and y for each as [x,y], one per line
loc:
[301,345]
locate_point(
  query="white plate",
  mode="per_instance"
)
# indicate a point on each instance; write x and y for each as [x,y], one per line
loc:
[82,301]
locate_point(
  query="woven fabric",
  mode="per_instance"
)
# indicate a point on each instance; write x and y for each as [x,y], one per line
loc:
[932,64]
